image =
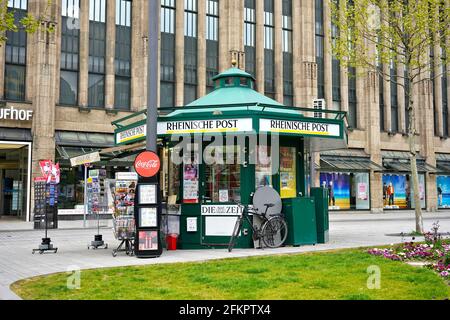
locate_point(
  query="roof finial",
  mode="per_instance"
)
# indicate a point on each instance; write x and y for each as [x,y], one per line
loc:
[234,63]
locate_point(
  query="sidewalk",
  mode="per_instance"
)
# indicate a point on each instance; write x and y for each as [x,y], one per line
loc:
[346,231]
[18,225]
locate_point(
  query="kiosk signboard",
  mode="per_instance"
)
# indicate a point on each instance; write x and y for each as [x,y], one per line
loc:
[300,127]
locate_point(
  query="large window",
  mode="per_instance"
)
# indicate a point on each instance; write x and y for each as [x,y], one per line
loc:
[394,98]
[249,36]
[445,102]
[407,88]
[288,77]
[167,94]
[70,44]
[97,50]
[320,51]
[381,102]
[336,74]
[15,54]
[352,101]
[190,50]
[269,56]
[212,42]
[347,190]
[122,92]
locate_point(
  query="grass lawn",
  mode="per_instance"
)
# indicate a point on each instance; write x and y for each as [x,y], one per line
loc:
[338,275]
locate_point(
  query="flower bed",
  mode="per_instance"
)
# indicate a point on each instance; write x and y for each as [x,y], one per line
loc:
[435,251]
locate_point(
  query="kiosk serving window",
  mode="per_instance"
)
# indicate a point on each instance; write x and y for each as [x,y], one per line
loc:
[223,176]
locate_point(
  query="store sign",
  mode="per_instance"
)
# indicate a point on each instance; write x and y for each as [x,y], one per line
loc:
[221,210]
[131,134]
[300,127]
[127,176]
[85,159]
[147,164]
[205,126]
[16,114]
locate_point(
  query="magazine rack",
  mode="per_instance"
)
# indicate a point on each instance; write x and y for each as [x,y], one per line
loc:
[124,231]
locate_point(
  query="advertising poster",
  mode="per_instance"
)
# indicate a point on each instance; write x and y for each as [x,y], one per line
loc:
[148,217]
[147,194]
[190,182]
[395,191]
[148,240]
[443,190]
[288,183]
[338,185]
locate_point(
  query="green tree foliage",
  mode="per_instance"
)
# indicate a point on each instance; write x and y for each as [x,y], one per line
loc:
[373,33]
[29,23]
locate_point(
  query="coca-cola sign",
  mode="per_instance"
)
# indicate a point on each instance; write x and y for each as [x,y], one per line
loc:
[147,164]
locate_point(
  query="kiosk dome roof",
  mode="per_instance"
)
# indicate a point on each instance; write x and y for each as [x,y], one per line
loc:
[234,87]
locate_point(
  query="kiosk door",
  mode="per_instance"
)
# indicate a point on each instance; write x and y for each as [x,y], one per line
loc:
[291,177]
[224,176]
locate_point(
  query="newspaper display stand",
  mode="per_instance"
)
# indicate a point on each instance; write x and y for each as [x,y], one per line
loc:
[123,216]
[45,212]
[97,203]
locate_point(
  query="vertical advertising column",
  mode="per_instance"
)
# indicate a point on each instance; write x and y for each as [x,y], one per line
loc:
[147,206]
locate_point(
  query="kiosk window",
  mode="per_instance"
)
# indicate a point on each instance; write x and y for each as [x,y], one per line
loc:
[263,173]
[223,176]
[191,175]
[174,180]
[288,173]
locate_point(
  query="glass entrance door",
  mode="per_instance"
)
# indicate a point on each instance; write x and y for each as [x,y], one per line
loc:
[14,180]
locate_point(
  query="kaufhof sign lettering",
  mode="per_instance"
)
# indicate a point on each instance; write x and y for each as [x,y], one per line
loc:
[12,113]
[205,126]
[300,127]
[221,210]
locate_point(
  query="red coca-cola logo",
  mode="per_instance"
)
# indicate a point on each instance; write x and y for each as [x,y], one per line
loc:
[147,164]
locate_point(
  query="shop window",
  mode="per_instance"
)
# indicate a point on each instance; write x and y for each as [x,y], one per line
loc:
[347,191]
[223,176]
[398,191]
[443,190]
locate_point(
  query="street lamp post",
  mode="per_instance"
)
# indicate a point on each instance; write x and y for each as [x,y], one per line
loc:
[152,75]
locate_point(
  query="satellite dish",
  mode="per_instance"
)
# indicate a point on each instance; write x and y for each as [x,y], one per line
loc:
[267,196]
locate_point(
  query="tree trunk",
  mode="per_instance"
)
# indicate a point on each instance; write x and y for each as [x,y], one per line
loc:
[417,202]
[413,158]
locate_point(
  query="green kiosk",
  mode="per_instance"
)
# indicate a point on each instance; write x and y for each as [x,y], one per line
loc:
[219,149]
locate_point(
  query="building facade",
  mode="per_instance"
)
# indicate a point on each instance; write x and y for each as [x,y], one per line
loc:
[64,88]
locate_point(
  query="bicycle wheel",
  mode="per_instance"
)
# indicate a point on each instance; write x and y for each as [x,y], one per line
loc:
[274,232]
[236,230]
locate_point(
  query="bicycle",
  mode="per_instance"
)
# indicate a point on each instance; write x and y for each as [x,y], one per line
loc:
[273,231]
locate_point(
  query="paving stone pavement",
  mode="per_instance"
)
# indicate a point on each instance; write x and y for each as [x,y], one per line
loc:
[17,262]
